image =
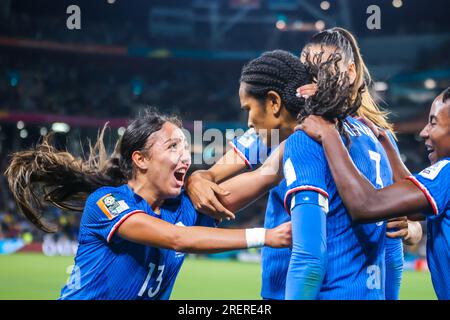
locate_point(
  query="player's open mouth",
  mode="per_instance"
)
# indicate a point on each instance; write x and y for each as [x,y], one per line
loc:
[179,174]
[430,149]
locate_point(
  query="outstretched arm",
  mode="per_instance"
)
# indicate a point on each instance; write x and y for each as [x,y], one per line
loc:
[144,229]
[364,202]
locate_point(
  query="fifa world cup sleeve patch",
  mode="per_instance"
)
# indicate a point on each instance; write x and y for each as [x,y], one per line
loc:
[432,172]
[111,206]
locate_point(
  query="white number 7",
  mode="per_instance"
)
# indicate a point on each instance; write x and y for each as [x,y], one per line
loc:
[375,156]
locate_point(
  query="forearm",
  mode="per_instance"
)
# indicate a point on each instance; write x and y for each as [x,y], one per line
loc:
[248,187]
[355,190]
[245,189]
[155,232]
[205,174]
[363,201]
[209,240]
[307,266]
[399,169]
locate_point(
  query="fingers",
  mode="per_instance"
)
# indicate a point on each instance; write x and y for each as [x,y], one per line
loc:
[401,228]
[399,219]
[219,208]
[220,191]
[397,224]
[397,234]
[370,124]
[307,90]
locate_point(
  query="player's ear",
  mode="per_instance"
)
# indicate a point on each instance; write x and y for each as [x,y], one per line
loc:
[140,160]
[273,102]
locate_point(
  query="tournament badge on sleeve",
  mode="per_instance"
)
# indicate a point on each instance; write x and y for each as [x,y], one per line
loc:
[112,207]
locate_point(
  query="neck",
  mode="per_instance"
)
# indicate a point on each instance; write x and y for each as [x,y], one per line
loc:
[145,190]
[288,128]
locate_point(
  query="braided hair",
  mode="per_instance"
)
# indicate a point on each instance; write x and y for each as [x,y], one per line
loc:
[283,73]
[278,71]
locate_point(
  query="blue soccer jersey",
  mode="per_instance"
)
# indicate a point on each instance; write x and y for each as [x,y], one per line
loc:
[394,257]
[110,267]
[435,184]
[355,252]
[274,262]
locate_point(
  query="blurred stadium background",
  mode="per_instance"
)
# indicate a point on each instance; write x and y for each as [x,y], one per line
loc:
[185,56]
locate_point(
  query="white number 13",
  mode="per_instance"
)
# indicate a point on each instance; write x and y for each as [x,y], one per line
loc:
[152,292]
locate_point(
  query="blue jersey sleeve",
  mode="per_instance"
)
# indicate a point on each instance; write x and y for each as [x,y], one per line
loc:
[308,262]
[105,211]
[305,168]
[200,219]
[250,148]
[434,183]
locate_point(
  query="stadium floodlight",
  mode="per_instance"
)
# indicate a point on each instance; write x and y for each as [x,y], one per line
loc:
[20,125]
[380,86]
[60,127]
[121,131]
[397,3]
[43,131]
[324,5]
[281,25]
[23,133]
[320,25]
[430,84]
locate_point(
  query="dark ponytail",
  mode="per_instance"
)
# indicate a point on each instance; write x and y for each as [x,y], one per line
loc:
[346,43]
[46,175]
[333,100]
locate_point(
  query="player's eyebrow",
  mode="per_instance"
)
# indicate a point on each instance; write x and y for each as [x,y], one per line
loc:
[173,140]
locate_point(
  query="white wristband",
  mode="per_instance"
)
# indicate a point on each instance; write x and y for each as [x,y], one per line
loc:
[255,237]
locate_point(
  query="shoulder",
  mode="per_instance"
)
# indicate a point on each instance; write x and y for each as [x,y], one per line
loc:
[248,139]
[300,145]
[107,194]
[439,169]
[299,137]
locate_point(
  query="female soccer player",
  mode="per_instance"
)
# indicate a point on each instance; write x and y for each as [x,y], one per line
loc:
[267,93]
[266,113]
[136,219]
[427,191]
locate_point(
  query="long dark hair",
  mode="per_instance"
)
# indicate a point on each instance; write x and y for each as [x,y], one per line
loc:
[334,100]
[283,73]
[347,46]
[45,175]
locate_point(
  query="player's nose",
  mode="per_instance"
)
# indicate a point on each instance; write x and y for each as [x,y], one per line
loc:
[424,133]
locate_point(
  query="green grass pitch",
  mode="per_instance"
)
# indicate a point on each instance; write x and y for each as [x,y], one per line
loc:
[34,276]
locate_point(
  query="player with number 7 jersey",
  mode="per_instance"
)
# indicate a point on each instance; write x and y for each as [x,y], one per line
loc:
[333,258]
